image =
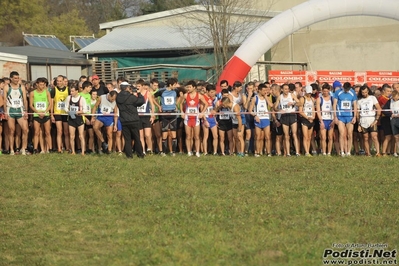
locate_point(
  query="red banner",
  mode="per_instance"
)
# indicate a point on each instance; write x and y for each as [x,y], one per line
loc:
[379,78]
[376,78]
[287,76]
[331,76]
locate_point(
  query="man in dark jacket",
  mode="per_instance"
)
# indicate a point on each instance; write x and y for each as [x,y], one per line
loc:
[128,100]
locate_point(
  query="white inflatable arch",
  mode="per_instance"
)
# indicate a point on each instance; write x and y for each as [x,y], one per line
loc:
[291,20]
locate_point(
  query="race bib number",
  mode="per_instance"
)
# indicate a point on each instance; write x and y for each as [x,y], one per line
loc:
[88,109]
[105,110]
[395,111]
[191,111]
[141,109]
[41,106]
[61,106]
[74,108]
[262,112]
[365,109]
[346,105]
[309,111]
[169,100]
[16,103]
[224,117]
[326,113]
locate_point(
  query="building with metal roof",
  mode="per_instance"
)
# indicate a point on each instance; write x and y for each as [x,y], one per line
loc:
[46,62]
[346,43]
[169,43]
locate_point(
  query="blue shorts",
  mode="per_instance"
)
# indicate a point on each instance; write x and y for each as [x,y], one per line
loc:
[249,121]
[263,123]
[119,125]
[243,120]
[211,121]
[106,120]
[345,119]
[327,124]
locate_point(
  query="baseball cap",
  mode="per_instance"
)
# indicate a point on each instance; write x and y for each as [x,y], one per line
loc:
[309,89]
[337,84]
[94,77]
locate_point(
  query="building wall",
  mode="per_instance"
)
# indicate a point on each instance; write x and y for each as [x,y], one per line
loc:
[6,67]
[348,43]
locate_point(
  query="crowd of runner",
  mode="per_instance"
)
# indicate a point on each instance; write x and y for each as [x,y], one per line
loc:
[81,116]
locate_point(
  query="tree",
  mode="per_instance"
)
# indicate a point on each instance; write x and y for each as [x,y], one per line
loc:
[153,6]
[223,25]
[36,17]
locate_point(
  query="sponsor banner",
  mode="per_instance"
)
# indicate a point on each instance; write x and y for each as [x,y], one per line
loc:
[287,76]
[331,76]
[372,78]
[379,78]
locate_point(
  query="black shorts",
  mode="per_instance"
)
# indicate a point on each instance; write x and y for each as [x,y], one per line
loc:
[386,125]
[88,126]
[77,122]
[249,121]
[288,119]
[369,129]
[179,123]
[145,122]
[356,127]
[169,122]
[41,120]
[63,118]
[306,123]
[279,130]
[225,125]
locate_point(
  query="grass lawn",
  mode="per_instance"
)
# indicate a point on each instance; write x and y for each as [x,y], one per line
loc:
[107,210]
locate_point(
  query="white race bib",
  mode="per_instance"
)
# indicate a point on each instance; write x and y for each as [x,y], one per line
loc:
[74,108]
[346,105]
[191,111]
[326,112]
[105,110]
[224,117]
[169,100]
[41,106]
[141,109]
[16,103]
[61,106]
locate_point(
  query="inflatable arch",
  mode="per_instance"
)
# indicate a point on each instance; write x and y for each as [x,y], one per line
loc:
[291,20]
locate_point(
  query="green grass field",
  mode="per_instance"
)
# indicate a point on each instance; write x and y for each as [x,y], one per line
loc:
[107,210]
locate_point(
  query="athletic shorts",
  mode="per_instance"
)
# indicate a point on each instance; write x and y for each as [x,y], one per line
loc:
[88,126]
[15,113]
[395,126]
[263,123]
[356,127]
[327,124]
[288,119]
[63,118]
[345,119]
[370,129]
[278,131]
[41,120]
[306,123]
[169,122]
[249,121]
[77,122]
[191,122]
[225,125]
[386,125]
[145,122]
[106,120]
[211,122]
